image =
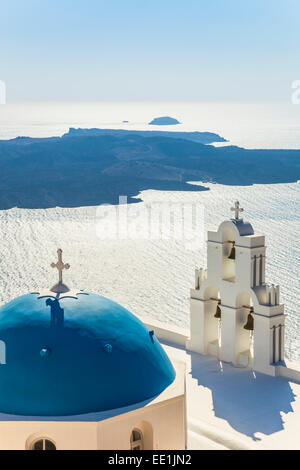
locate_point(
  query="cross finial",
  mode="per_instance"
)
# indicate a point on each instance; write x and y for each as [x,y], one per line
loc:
[60,266]
[237,209]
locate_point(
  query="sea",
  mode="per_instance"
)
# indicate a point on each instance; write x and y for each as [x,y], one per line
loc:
[151,276]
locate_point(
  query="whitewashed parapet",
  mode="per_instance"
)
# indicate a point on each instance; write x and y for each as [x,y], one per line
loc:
[289,370]
[167,333]
[273,295]
[200,276]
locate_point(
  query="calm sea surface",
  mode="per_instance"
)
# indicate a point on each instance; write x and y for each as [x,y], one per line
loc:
[262,125]
[153,277]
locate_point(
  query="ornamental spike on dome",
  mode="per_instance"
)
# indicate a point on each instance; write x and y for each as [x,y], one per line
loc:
[237,209]
[60,287]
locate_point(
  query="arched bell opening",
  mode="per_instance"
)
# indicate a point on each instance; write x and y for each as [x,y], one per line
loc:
[228,255]
[244,329]
[213,318]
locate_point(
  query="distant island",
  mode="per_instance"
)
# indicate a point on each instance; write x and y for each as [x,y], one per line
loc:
[196,136]
[164,121]
[87,167]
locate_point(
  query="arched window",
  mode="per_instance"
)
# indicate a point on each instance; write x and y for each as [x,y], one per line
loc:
[43,444]
[136,440]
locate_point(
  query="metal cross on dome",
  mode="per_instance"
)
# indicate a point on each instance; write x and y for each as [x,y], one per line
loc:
[237,209]
[60,290]
[60,266]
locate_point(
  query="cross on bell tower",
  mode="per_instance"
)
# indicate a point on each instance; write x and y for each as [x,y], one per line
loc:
[60,266]
[237,209]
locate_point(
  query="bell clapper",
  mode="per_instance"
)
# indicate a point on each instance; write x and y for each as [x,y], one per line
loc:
[232,253]
[218,310]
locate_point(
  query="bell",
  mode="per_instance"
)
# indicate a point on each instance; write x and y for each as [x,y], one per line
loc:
[218,313]
[232,253]
[250,323]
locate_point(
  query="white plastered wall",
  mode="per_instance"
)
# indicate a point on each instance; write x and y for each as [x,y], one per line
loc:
[238,283]
[162,425]
[162,422]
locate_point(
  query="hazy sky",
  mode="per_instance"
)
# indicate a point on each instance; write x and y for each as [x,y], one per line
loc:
[155,50]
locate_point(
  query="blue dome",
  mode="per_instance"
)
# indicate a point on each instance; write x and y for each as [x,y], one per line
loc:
[76,356]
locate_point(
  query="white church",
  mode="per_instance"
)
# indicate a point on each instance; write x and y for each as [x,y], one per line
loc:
[79,371]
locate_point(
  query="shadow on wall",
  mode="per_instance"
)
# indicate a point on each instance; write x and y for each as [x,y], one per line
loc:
[57,313]
[250,402]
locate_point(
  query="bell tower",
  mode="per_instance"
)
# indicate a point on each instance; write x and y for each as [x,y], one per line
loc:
[234,314]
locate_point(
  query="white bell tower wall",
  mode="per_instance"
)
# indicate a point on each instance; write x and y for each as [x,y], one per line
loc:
[250,331]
